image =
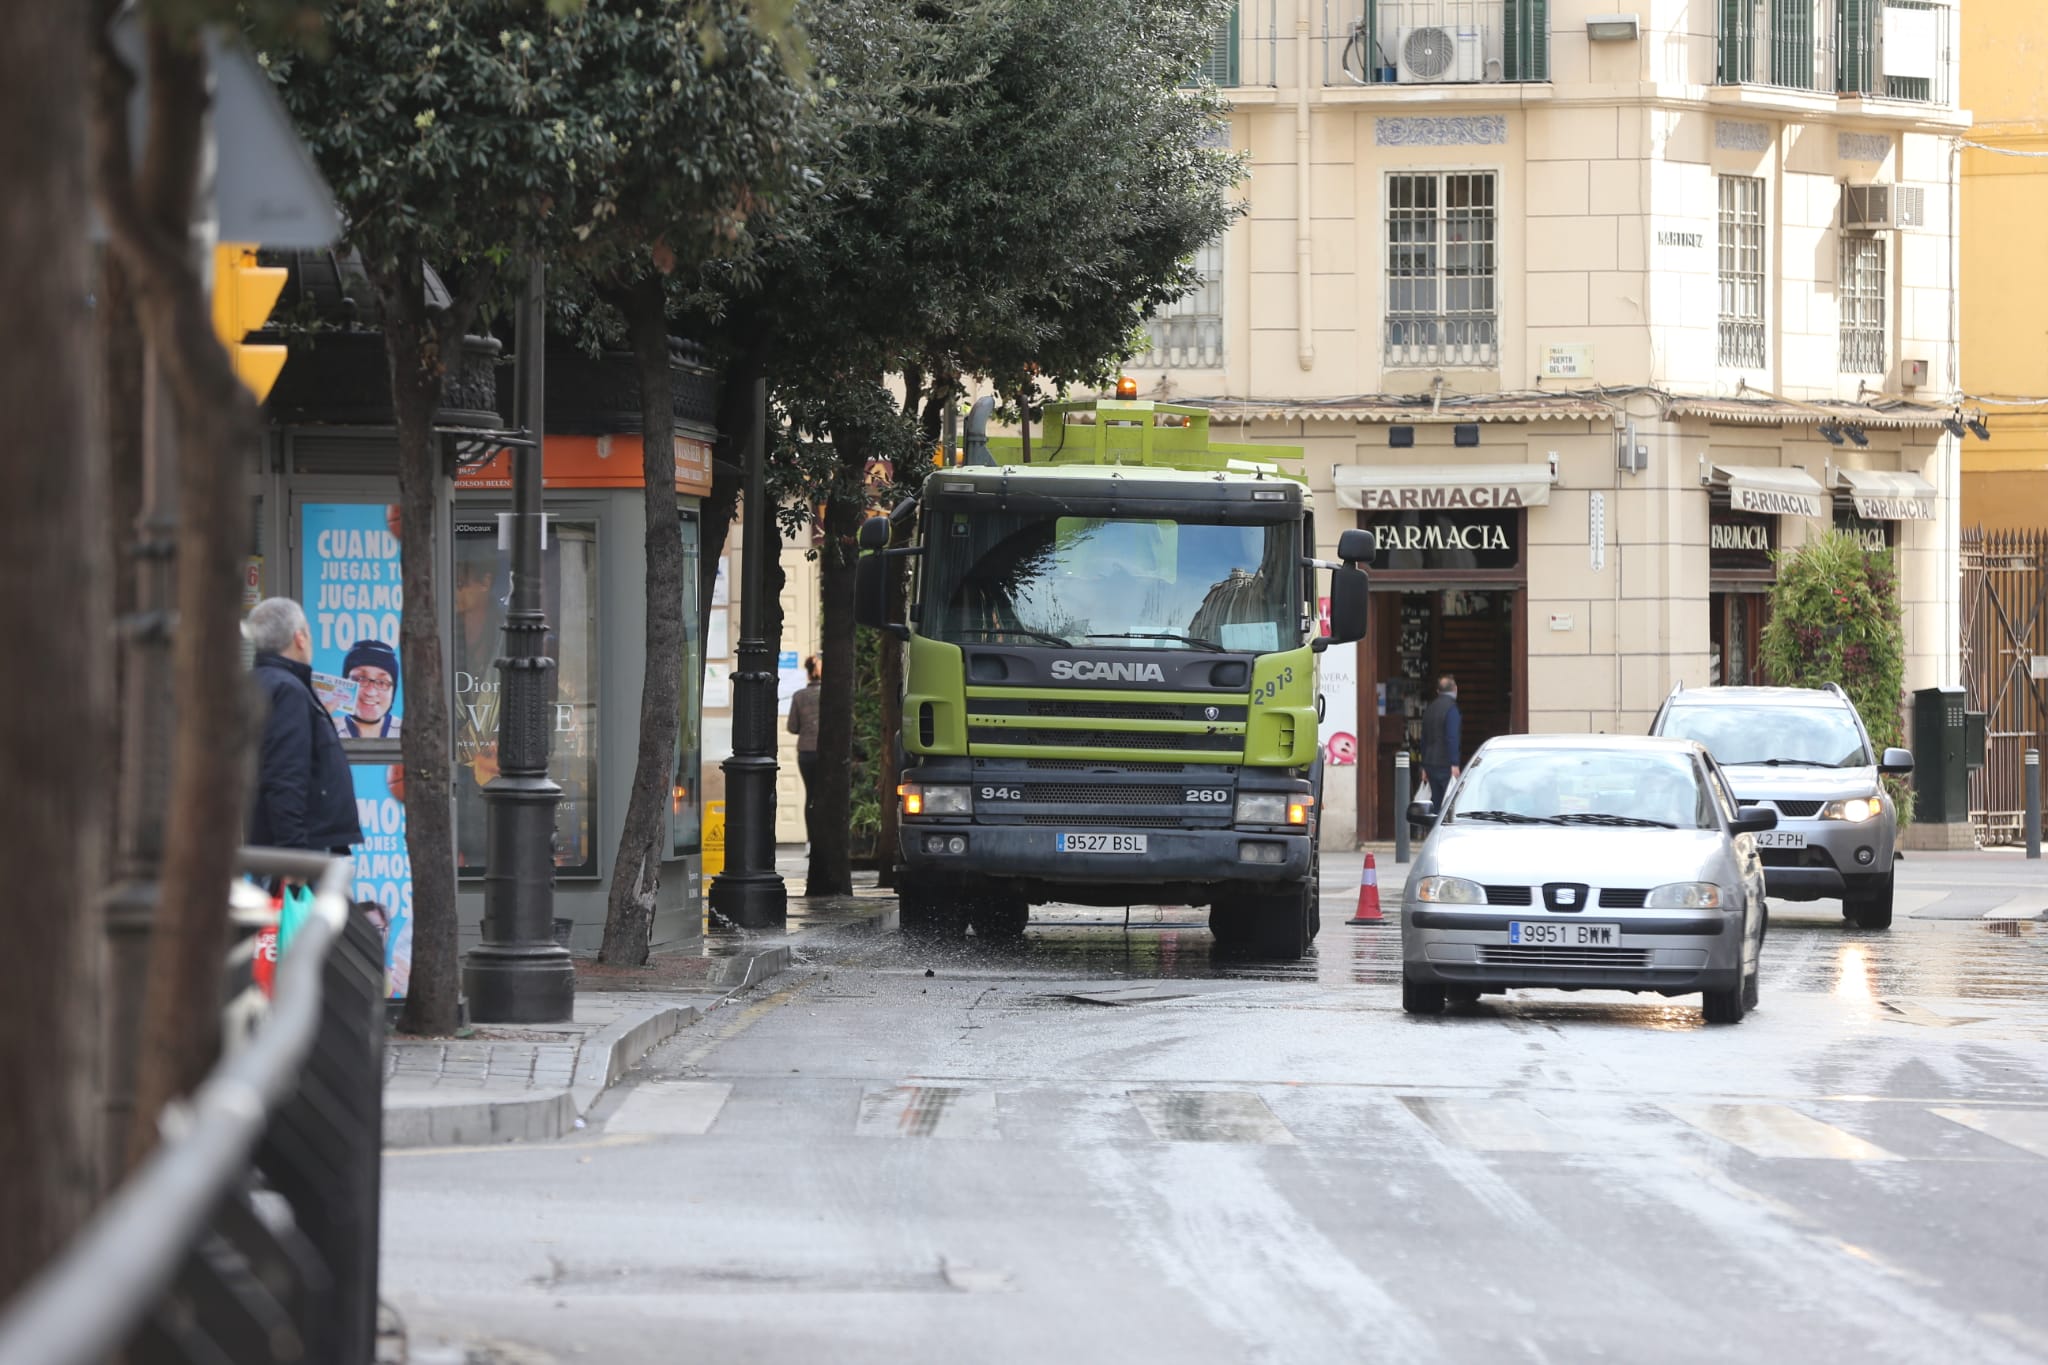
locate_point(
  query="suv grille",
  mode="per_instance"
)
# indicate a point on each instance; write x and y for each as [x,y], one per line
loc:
[1800,810]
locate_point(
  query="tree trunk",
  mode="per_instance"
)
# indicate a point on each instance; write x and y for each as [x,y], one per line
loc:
[54,738]
[636,871]
[417,346]
[831,868]
[218,435]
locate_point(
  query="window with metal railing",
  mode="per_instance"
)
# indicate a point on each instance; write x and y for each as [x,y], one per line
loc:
[1742,272]
[1188,334]
[1895,49]
[1861,293]
[1786,43]
[1442,295]
[1435,42]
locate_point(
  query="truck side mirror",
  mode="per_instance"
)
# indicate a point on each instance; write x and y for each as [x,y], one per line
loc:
[874,533]
[1355,547]
[1350,606]
[871,589]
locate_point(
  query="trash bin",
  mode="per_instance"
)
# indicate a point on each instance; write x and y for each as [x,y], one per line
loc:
[714,839]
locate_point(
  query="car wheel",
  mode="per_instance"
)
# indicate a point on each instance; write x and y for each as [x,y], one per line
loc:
[1422,997]
[1873,911]
[1726,1007]
[1749,991]
[1461,997]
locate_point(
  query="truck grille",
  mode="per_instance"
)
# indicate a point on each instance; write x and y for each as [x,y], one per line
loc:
[1083,794]
[1089,765]
[1108,739]
[1105,710]
[1533,955]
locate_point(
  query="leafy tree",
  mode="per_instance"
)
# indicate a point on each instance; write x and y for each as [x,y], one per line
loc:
[1835,618]
[452,135]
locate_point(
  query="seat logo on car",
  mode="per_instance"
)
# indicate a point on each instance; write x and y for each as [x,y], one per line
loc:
[1089,670]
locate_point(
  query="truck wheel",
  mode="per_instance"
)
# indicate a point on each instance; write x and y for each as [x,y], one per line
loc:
[1280,922]
[999,918]
[1872,910]
[1315,893]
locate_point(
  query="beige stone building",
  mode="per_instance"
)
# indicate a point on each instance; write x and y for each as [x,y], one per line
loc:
[1585,314]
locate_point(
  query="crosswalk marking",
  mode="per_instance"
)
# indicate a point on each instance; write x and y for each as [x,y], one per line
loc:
[1492,1125]
[2026,1129]
[1774,1130]
[670,1108]
[1209,1116]
[934,1111]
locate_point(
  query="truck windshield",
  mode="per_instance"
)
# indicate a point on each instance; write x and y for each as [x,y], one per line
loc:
[1109,582]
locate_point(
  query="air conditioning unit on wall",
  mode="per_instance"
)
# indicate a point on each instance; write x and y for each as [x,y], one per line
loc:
[1883,208]
[1438,54]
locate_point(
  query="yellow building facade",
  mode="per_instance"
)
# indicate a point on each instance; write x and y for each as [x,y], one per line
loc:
[2005,261]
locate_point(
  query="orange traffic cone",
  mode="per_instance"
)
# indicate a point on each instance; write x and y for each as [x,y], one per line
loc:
[1368,895]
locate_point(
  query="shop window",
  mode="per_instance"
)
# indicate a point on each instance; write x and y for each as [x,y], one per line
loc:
[686,810]
[1862,296]
[1742,272]
[569,595]
[1442,301]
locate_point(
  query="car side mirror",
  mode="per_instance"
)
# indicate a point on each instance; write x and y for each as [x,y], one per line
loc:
[1350,606]
[1422,813]
[1754,820]
[1896,762]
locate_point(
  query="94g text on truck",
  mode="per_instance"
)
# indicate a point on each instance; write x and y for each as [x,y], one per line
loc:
[1110,675]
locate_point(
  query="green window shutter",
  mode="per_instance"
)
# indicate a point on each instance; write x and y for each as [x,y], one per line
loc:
[1219,67]
[1526,52]
[1737,35]
[1856,46]
[1792,50]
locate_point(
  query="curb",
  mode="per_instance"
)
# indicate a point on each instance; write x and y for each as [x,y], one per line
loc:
[422,1119]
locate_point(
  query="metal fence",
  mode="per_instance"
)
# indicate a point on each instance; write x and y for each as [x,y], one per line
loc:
[250,1234]
[2005,669]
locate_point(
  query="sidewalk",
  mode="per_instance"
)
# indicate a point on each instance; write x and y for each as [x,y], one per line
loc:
[534,1082]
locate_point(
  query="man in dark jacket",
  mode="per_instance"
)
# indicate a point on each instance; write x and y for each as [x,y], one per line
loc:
[305,797]
[1441,754]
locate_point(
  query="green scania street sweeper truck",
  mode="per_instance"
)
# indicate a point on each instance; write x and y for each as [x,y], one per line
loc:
[1110,675]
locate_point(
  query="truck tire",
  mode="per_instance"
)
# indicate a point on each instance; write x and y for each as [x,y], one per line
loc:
[1280,923]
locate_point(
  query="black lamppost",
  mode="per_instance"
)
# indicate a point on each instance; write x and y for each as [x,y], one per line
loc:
[519,974]
[750,893]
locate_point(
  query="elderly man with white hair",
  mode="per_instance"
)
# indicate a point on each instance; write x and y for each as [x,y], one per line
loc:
[305,797]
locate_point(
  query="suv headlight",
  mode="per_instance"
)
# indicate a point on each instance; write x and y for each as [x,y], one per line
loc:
[1449,891]
[1684,896]
[919,799]
[1855,810]
[1262,808]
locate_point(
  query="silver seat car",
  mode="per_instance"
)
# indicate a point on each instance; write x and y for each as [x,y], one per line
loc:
[1804,752]
[1598,862]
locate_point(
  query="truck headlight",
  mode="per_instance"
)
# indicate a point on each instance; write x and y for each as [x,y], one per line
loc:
[919,799]
[1449,891]
[1684,896]
[1262,808]
[1855,810]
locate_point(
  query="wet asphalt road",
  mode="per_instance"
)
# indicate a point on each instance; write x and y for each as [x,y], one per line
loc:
[1112,1145]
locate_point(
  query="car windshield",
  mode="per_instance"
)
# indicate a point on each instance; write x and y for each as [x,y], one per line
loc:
[1781,736]
[1110,582]
[1583,787]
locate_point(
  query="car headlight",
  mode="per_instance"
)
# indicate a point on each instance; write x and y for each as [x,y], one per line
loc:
[1449,891]
[1684,896]
[1262,808]
[1855,810]
[922,800]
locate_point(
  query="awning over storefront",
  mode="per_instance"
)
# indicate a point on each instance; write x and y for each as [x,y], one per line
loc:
[1419,487]
[1881,495]
[1411,409]
[1891,415]
[1773,491]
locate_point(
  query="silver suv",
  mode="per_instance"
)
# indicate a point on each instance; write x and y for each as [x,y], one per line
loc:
[1804,752]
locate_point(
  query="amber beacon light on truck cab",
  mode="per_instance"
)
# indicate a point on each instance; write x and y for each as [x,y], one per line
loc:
[1110,674]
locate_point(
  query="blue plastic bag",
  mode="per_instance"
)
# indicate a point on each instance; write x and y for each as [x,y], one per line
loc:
[297,905]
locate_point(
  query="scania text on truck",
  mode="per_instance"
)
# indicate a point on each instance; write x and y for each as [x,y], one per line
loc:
[1110,675]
